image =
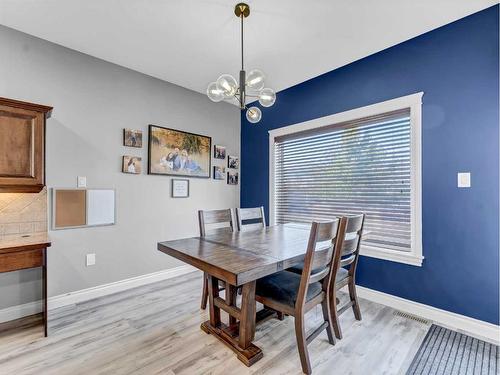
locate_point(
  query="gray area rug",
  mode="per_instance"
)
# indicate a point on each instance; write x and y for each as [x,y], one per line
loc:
[448,352]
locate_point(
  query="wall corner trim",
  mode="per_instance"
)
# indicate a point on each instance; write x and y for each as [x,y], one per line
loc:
[473,327]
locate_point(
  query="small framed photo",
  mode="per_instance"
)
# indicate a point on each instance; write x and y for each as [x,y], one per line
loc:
[219,152]
[233,162]
[132,138]
[180,188]
[232,178]
[132,164]
[219,172]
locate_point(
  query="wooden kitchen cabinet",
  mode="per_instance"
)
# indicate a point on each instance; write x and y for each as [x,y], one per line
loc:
[22,146]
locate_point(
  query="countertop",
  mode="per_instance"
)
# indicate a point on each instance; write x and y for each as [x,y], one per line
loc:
[21,243]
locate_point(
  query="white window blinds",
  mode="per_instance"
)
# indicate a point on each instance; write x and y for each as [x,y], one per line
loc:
[359,166]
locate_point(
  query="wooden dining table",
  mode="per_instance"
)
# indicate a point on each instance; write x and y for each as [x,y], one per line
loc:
[239,259]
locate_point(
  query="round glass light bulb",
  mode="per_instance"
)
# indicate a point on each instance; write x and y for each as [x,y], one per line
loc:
[267,97]
[228,85]
[254,115]
[214,93]
[255,79]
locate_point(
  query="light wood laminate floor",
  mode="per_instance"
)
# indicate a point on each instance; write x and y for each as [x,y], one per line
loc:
[155,329]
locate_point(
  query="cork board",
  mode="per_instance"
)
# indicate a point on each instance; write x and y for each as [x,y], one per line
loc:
[70,208]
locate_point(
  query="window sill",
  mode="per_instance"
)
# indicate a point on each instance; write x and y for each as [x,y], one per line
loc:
[391,255]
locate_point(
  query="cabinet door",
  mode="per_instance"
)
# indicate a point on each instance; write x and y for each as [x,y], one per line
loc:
[21,149]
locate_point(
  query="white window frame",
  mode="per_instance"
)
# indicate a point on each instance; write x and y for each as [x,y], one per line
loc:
[414,103]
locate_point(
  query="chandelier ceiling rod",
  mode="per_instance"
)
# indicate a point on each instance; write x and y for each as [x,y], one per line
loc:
[242,7]
[242,66]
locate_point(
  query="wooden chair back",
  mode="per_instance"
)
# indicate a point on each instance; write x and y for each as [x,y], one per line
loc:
[215,221]
[319,257]
[256,214]
[348,244]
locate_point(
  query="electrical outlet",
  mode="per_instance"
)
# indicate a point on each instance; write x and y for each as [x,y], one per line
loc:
[90,261]
[463,179]
[81,181]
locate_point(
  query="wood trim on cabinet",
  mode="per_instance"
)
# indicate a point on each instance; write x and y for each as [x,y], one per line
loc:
[29,106]
[21,188]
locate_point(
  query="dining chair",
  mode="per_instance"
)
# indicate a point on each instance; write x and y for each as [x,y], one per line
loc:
[213,221]
[295,294]
[256,215]
[346,255]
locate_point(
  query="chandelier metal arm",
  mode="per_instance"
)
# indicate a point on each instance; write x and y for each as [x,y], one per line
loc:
[237,97]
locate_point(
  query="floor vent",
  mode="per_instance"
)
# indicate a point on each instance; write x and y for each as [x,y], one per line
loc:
[412,317]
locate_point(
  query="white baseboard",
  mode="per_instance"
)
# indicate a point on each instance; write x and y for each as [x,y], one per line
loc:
[473,327]
[118,286]
[19,311]
[470,326]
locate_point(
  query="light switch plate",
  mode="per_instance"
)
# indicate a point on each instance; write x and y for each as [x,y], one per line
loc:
[81,182]
[463,179]
[90,260]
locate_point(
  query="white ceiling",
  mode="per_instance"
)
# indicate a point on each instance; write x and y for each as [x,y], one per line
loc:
[191,42]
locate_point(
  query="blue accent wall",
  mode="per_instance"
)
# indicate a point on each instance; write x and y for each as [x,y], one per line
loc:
[457,68]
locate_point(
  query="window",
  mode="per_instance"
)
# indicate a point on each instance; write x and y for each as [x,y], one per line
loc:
[364,160]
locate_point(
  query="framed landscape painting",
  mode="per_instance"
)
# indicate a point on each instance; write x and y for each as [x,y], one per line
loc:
[178,153]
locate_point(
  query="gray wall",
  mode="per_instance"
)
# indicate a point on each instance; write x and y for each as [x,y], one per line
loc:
[93,101]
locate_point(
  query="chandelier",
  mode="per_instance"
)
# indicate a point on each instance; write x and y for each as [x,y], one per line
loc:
[251,85]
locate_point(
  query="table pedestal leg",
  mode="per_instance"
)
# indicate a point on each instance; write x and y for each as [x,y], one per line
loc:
[240,343]
[247,321]
[213,292]
[231,301]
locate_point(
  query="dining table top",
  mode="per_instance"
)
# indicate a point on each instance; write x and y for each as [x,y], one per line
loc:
[242,257]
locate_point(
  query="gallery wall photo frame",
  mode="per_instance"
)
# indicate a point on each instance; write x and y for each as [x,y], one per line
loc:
[180,188]
[219,172]
[232,177]
[219,152]
[179,153]
[132,138]
[233,162]
[131,164]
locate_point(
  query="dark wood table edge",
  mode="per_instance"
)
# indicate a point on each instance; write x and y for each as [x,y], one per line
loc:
[219,272]
[212,269]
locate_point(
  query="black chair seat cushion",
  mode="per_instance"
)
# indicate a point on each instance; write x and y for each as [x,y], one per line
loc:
[299,267]
[283,287]
[341,274]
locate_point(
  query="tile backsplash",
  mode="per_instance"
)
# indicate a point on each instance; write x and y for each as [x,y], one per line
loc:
[23,213]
